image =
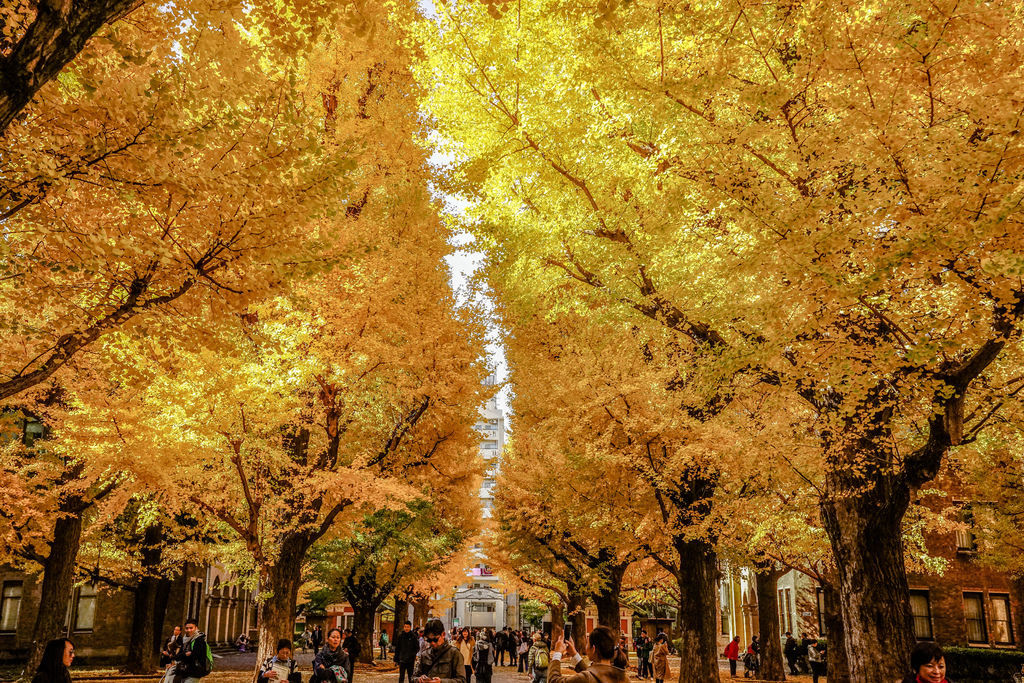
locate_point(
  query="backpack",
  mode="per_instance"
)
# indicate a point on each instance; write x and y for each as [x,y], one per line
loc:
[541,660]
[206,662]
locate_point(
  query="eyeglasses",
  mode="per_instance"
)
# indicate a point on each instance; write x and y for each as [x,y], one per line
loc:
[433,639]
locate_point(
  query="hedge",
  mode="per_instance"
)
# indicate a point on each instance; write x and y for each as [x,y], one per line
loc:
[982,665]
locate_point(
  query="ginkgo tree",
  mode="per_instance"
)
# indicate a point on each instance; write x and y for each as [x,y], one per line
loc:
[821,198]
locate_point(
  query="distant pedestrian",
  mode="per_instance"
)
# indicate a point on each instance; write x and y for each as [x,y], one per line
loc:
[407,646]
[353,648]
[522,652]
[57,657]
[317,638]
[539,658]
[751,661]
[816,659]
[484,657]
[465,644]
[306,639]
[732,653]
[792,652]
[383,642]
[280,667]
[660,657]
[927,664]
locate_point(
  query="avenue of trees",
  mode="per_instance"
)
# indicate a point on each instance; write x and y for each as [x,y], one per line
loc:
[759,267]
[745,253]
[229,332]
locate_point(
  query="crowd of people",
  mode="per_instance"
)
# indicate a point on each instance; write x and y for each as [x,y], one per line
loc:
[432,654]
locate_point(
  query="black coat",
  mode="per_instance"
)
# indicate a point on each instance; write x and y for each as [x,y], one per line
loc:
[407,645]
[325,660]
[353,647]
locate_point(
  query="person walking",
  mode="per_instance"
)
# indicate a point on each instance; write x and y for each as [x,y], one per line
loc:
[484,657]
[816,660]
[383,642]
[194,660]
[441,662]
[792,652]
[57,657]
[522,650]
[539,658]
[644,648]
[281,663]
[407,645]
[660,656]
[306,639]
[732,653]
[331,664]
[604,662]
[352,648]
[317,638]
[466,643]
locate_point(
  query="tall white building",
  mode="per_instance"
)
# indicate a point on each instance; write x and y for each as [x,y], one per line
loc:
[483,600]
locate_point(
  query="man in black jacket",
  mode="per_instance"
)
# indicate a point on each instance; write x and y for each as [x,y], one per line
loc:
[407,644]
[792,652]
[352,646]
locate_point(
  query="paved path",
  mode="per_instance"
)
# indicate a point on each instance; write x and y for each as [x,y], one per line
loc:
[237,668]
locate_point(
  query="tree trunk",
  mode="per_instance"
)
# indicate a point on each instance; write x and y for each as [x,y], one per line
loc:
[401,614]
[698,568]
[142,658]
[280,583]
[607,599]
[865,531]
[838,665]
[420,611]
[58,580]
[767,581]
[557,619]
[362,622]
[576,612]
[163,596]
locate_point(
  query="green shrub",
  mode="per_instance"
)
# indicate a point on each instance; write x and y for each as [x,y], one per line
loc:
[982,665]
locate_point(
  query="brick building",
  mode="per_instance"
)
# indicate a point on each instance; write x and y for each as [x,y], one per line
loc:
[99,619]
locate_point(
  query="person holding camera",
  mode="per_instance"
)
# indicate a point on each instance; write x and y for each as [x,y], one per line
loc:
[440,662]
[605,661]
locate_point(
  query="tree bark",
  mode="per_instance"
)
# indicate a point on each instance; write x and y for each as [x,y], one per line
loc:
[576,612]
[864,527]
[163,596]
[767,581]
[362,622]
[606,600]
[57,35]
[58,580]
[420,611]
[401,614]
[280,581]
[837,662]
[142,657]
[557,618]
[698,568]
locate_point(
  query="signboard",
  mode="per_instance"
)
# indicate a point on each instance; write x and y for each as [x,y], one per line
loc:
[455,622]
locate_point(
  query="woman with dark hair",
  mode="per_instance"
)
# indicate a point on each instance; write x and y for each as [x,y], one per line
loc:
[331,663]
[607,661]
[927,664]
[57,657]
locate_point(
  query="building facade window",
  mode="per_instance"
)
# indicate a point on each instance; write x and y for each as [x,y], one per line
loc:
[974,616]
[921,614]
[195,598]
[785,610]
[85,608]
[10,606]
[1002,619]
[965,540]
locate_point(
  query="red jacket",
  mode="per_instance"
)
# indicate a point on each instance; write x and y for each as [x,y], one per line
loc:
[732,650]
